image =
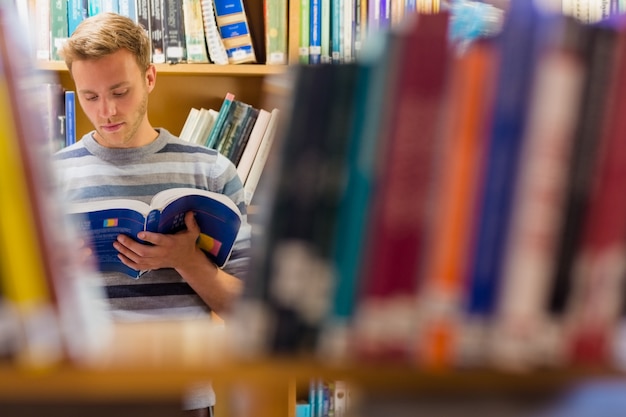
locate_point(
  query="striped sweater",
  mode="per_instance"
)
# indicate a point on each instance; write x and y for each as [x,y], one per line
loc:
[87,171]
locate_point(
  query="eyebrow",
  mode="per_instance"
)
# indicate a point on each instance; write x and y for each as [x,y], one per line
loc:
[113,87]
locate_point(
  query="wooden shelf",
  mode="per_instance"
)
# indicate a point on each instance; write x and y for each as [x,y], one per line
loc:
[192,69]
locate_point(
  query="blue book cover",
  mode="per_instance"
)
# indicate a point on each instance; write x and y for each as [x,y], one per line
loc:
[77,11]
[218,217]
[522,36]
[315,32]
[70,117]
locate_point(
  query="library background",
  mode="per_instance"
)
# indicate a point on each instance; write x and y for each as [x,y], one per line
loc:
[435,189]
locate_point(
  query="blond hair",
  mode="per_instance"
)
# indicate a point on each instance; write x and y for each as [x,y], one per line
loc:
[104,34]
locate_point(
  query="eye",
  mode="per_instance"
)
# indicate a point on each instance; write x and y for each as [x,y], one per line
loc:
[120,93]
[91,97]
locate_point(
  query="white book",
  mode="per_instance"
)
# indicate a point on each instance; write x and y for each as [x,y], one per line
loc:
[195,37]
[215,45]
[261,156]
[192,119]
[198,133]
[250,151]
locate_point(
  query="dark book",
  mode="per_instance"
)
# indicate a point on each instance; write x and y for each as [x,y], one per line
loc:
[233,124]
[305,178]
[175,45]
[600,55]
[143,15]
[255,11]
[599,267]
[242,139]
[217,216]
[157,31]
[375,71]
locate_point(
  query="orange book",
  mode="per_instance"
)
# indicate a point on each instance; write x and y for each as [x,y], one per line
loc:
[469,100]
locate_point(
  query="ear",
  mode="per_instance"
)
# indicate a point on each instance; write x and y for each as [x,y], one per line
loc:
[150,77]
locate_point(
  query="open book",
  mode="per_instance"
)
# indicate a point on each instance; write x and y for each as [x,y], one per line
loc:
[216,214]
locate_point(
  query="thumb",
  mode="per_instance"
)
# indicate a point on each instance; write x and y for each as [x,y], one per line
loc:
[190,222]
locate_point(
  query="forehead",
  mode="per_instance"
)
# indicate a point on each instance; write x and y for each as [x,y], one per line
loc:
[105,72]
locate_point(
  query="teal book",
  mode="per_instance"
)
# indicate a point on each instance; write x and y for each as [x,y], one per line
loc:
[211,140]
[102,221]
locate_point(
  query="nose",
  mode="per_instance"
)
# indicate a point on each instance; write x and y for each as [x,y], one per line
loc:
[107,108]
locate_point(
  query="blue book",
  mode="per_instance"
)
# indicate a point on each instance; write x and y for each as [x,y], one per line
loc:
[232,22]
[70,117]
[128,8]
[94,7]
[77,11]
[102,221]
[522,37]
[315,32]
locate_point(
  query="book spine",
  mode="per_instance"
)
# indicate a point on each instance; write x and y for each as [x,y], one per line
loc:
[336,46]
[505,138]
[275,12]
[215,45]
[143,17]
[70,117]
[467,108]
[244,136]
[539,201]
[76,13]
[261,157]
[110,6]
[174,43]
[397,233]
[600,265]
[128,8]
[315,32]
[250,151]
[325,57]
[303,31]
[53,115]
[94,7]
[58,27]
[219,122]
[232,23]
[194,32]
[157,31]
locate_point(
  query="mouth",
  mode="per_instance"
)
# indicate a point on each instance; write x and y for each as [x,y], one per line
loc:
[112,127]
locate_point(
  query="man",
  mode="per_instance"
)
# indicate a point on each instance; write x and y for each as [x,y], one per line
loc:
[108,56]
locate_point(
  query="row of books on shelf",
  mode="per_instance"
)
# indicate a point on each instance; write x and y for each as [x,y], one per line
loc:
[334,30]
[191,31]
[239,131]
[326,398]
[452,209]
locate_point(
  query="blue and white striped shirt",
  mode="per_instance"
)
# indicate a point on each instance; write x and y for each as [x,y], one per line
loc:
[88,171]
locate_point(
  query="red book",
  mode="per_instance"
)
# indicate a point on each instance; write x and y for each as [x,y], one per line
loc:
[395,239]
